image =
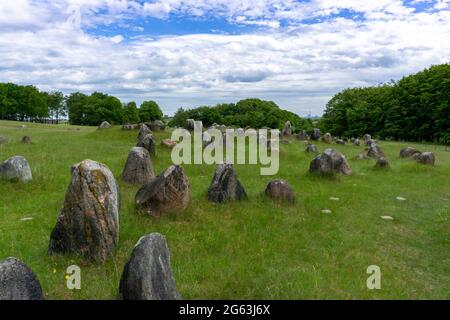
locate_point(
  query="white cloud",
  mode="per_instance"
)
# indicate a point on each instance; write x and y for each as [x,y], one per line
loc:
[300,67]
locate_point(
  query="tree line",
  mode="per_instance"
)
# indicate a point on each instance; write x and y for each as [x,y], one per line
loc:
[27,103]
[415,108]
[253,113]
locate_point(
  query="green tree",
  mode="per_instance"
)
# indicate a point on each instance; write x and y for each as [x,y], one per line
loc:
[131,113]
[150,111]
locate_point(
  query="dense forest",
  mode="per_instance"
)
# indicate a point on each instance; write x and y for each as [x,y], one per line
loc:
[415,108]
[27,103]
[253,113]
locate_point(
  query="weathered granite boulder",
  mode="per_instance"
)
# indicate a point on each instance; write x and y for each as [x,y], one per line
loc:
[280,190]
[143,131]
[425,158]
[104,125]
[287,130]
[374,151]
[18,282]
[88,224]
[166,193]
[225,185]
[329,162]
[148,142]
[367,138]
[315,135]
[138,168]
[327,138]
[310,147]
[408,152]
[156,125]
[147,274]
[26,140]
[382,163]
[16,169]
[168,144]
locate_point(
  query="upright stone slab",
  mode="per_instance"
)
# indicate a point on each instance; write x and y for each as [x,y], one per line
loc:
[329,162]
[327,138]
[104,125]
[311,148]
[143,131]
[166,193]
[366,138]
[147,274]
[88,224]
[225,185]
[190,124]
[287,130]
[138,168]
[18,282]
[315,135]
[16,169]
[374,151]
[148,142]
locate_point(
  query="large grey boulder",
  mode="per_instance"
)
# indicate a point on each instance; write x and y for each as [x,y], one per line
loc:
[329,162]
[287,130]
[138,168]
[225,185]
[374,151]
[88,224]
[147,274]
[166,193]
[366,138]
[148,142]
[425,158]
[315,135]
[143,131]
[104,125]
[16,169]
[408,152]
[156,125]
[280,190]
[18,282]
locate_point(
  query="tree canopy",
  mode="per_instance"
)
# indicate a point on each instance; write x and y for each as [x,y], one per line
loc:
[415,108]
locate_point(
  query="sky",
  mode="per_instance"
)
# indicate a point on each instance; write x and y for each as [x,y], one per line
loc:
[188,53]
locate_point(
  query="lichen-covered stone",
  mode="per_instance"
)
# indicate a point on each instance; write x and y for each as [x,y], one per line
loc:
[138,168]
[88,224]
[16,169]
[280,190]
[166,193]
[329,162]
[426,158]
[225,185]
[408,152]
[148,142]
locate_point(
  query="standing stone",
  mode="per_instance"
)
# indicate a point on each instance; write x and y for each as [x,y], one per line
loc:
[147,274]
[148,142]
[357,142]
[340,141]
[312,148]
[18,282]
[26,140]
[16,169]
[156,125]
[426,158]
[225,185]
[190,124]
[382,163]
[327,138]
[166,193]
[130,127]
[280,190]
[143,131]
[408,152]
[330,161]
[367,138]
[138,168]
[374,151]
[287,130]
[315,134]
[104,125]
[88,223]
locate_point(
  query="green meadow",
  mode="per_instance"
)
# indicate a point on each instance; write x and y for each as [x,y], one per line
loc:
[254,249]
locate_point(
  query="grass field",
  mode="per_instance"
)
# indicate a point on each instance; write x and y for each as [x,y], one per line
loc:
[256,249]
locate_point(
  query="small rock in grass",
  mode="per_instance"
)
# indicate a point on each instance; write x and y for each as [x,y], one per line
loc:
[327,211]
[387,218]
[26,140]
[26,219]
[401,199]
[334,199]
